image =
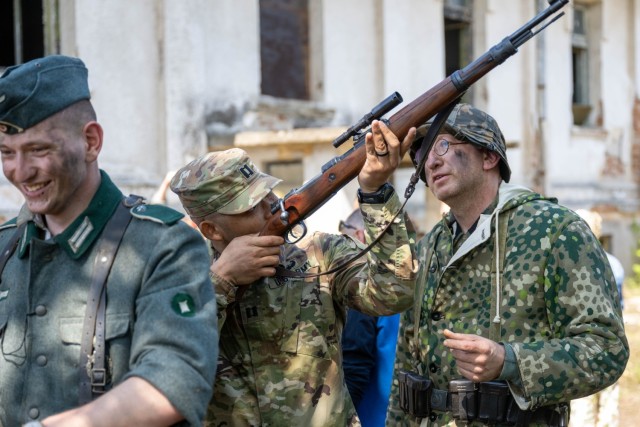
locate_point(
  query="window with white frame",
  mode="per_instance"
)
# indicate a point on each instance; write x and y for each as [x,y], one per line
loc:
[585,58]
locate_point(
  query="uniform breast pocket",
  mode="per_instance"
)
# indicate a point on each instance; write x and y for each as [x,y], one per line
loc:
[117,342]
[313,330]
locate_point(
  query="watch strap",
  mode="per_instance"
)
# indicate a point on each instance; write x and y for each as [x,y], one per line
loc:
[382,195]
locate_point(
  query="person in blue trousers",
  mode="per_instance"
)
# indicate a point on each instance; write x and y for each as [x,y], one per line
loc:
[368,350]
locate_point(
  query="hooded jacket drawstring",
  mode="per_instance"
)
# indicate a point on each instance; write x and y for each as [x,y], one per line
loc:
[498,272]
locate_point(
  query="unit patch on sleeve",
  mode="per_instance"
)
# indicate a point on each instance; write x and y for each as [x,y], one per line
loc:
[183,305]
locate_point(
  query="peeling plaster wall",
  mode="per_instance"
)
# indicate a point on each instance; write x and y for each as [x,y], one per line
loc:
[172,79]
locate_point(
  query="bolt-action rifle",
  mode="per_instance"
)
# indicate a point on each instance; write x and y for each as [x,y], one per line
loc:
[299,203]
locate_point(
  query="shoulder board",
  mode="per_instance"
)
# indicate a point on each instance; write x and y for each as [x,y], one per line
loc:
[157,213]
[12,223]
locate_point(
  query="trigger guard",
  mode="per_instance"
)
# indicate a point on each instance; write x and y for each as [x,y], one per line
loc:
[289,233]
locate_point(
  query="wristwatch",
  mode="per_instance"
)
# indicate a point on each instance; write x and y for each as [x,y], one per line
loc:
[380,196]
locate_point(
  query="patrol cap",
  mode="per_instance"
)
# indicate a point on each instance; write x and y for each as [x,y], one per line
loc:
[36,90]
[472,125]
[225,182]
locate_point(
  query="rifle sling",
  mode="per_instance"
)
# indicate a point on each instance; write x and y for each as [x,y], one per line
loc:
[91,369]
[282,272]
[10,247]
[439,121]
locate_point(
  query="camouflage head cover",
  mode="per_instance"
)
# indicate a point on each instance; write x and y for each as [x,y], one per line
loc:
[472,125]
[225,182]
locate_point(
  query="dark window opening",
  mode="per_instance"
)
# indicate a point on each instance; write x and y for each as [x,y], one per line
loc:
[284,48]
[21,31]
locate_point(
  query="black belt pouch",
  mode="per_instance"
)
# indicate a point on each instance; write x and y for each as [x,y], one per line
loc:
[463,399]
[494,399]
[415,394]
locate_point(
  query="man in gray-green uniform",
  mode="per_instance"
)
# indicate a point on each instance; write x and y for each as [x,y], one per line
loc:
[107,314]
[280,356]
[516,310]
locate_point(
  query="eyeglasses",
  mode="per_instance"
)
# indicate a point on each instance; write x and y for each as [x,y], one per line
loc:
[442,146]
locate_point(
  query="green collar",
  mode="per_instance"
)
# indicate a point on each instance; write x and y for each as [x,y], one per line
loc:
[85,229]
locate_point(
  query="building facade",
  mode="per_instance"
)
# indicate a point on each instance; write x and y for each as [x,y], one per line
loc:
[282,78]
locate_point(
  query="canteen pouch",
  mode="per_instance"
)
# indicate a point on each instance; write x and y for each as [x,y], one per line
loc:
[493,402]
[415,394]
[463,399]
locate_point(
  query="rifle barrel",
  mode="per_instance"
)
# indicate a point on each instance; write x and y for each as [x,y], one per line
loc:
[338,172]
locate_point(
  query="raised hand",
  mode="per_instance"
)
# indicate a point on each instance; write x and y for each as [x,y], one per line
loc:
[384,153]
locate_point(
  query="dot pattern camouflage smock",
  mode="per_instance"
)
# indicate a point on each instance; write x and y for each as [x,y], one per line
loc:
[558,305]
[280,358]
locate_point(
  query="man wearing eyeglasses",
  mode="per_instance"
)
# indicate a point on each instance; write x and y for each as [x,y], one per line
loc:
[516,311]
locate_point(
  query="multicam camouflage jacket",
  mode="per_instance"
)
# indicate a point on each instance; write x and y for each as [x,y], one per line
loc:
[280,358]
[557,305]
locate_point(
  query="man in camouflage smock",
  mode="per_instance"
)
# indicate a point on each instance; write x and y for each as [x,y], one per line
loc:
[280,356]
[511,287]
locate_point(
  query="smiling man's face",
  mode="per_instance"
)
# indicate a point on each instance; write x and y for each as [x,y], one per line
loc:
[47,164]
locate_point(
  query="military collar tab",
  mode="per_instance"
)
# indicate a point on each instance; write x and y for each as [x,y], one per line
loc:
[87,227]
[30,231]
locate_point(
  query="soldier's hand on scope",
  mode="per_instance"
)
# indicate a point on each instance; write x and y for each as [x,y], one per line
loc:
[478,359]
[384,153]
[249,258]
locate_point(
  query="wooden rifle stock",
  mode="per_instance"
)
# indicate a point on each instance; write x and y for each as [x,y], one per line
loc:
[339,171]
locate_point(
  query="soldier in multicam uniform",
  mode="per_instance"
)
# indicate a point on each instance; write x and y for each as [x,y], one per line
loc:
[280,356]
[516,312]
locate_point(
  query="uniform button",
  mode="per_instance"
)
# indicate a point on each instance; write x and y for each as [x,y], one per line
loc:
[41,310]
[34,413]
[436,315]
[41,360]
[432,269]
[433,416]
[433,368]
[47,257]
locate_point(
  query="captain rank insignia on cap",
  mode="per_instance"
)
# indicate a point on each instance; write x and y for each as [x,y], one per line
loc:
[246,171]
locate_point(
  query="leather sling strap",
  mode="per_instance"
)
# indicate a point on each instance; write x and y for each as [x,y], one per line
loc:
[11,246]
[93,375]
